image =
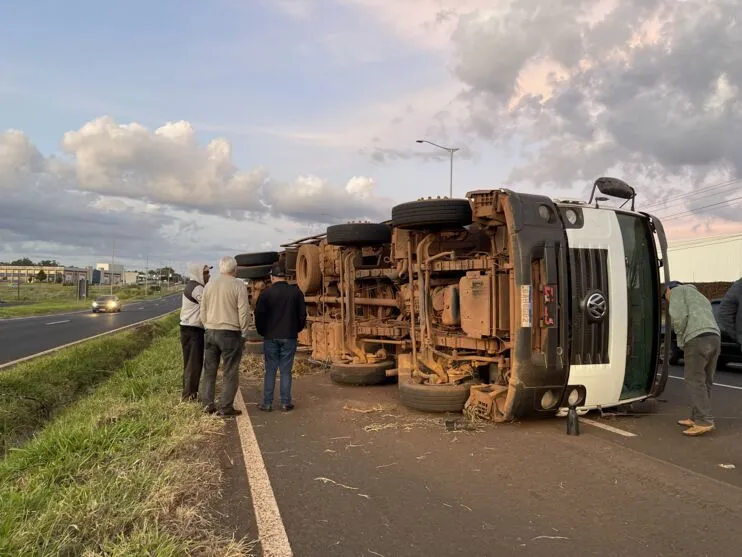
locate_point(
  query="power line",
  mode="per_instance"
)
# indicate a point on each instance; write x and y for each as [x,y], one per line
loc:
[695,192]
[696,210]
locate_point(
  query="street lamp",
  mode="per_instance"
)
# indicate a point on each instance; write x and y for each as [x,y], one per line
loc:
[451,151]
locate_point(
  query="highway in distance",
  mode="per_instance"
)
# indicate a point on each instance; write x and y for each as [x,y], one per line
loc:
[27,336]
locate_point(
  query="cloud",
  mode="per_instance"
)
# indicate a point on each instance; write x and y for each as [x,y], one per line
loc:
[649,87]
[311,199]
[155,192]
[165,166]
[168,166]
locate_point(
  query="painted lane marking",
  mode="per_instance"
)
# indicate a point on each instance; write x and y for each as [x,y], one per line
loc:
[58,322]
[608,428]
[271,531]
[715,384]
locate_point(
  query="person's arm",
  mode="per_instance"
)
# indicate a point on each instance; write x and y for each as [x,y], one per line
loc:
[202,303]
[260,311]
[302,309]
[243,307]
[679,316]
[198,293]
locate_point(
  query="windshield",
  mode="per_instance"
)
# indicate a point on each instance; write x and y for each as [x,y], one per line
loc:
[642,285]
[106,298]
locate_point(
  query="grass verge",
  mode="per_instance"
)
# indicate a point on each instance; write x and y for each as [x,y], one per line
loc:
[31,393]
[129,470]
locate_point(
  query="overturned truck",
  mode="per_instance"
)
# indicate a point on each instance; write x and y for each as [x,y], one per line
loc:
[503,304]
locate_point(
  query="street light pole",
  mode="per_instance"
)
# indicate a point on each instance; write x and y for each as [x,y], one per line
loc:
[110,271]
[451,151]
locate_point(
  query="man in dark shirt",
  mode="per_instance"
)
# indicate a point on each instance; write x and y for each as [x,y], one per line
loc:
[280,314]
[730,312]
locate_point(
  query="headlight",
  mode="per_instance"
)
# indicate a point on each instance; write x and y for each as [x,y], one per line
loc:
[544,212]
[571,216]
[95,304]
[548,400]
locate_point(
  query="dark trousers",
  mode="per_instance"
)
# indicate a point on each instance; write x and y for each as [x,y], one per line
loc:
[700,355]
[192,344]
[226,346]
[278,354]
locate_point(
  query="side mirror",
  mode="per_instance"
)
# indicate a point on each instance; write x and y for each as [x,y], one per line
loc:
[614,187]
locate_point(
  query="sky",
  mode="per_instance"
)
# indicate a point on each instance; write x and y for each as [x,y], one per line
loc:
[185,130]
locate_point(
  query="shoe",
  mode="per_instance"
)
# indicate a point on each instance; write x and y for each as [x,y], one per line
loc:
[209,409]
[229,412]
[697,430]
[686,423]
[287,407]
[264,407]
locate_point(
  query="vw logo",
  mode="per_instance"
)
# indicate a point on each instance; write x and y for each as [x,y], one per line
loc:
[596,306]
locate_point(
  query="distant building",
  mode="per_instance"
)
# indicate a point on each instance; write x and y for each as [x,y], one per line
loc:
[714,259]
[133,277]
[110,273]
[30,273]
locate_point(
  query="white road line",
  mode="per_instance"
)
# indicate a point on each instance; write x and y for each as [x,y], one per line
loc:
[56,348]
[58,322]
[273,539]
[608,428]
[715,384]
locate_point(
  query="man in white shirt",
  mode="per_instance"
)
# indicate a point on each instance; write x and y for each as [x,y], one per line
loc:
[225,313]
[192,330]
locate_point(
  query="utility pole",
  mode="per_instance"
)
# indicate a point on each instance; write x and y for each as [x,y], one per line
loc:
[110,271]
[146,274]
[451,151]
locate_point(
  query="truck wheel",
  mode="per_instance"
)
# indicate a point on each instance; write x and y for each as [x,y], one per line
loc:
[432,213]
[358,234]
[646,406]
[259,258]
[360,374]
[308,274]
[254,272]
[254,347]
[434,398]
[291,255]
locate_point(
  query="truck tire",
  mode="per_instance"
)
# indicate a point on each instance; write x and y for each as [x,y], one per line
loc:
[434,398]
[359,234]
[254,347]
[308,274]
[432,213]
[646,406]
[291,255]
[360,374]
[255,272]
[259,258]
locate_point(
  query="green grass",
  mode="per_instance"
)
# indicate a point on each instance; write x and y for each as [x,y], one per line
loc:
[44,299]
[126,471]
[32,392]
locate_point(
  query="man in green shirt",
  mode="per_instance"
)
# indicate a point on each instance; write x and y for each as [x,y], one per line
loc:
[699,337]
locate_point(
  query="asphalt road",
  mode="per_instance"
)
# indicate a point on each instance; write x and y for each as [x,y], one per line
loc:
[393,482]
[26,336]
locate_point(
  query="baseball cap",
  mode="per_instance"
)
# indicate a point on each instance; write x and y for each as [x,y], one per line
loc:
[277,271]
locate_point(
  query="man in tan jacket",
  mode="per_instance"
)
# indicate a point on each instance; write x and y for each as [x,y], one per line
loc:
[225,314]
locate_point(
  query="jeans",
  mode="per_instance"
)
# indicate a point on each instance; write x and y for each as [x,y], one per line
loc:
[278,354]
[700,355]
[192,343]
[227,346]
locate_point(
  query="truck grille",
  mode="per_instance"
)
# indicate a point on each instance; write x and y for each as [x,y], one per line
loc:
[588,273]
